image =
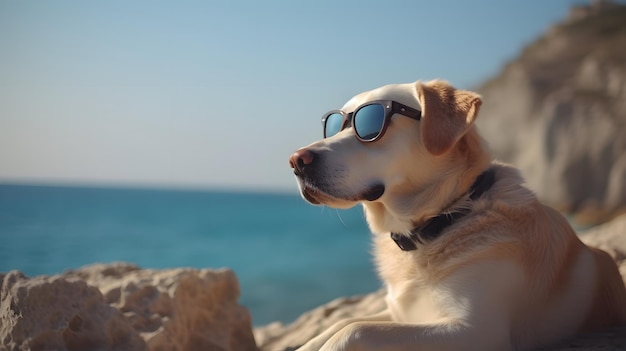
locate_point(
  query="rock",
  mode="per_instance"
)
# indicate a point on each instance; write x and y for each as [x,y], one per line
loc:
[123,307]
[53,313]
[558,112]
[277,337]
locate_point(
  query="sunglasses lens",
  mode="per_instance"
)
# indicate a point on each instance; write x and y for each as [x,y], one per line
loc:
[368,121]
[333,125]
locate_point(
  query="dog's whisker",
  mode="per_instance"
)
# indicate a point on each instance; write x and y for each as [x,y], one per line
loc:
[341,219]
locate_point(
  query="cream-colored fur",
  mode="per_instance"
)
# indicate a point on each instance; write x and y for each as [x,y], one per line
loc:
[510,275]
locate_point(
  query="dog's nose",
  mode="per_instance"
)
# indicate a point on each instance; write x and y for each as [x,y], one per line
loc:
[300,159]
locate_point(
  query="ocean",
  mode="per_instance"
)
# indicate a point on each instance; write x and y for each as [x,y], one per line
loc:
[289,256]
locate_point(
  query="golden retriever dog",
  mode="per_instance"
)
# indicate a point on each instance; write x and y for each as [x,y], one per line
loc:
[471,260]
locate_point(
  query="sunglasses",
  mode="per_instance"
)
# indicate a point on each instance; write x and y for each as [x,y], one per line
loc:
[370,120]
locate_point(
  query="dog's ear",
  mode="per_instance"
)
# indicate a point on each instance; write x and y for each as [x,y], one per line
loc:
[447,114]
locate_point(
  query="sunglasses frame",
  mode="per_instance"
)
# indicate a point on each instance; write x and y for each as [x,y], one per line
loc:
[391,107]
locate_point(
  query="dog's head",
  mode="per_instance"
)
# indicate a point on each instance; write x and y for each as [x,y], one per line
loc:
[412,154]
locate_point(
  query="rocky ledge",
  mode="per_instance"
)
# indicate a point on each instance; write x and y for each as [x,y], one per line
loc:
[122,307]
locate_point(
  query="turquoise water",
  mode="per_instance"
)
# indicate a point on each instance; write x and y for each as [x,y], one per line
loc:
[289,256]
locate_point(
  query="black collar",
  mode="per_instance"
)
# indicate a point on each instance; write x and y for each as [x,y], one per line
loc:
[434,226]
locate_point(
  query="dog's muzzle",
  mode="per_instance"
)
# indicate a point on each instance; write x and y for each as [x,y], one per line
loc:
[316,188]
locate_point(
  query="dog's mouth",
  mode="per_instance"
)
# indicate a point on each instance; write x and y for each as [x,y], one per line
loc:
[374,192]
[309,194]
[316,195]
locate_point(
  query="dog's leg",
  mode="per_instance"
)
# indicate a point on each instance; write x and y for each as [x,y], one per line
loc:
[475,313]
[389,336]
[317,342]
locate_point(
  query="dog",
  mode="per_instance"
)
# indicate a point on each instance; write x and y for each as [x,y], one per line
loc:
[470,259]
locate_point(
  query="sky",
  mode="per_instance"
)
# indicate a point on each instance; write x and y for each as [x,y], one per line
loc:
[218,94]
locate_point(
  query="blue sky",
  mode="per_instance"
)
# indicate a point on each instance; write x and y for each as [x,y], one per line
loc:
[218,94]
